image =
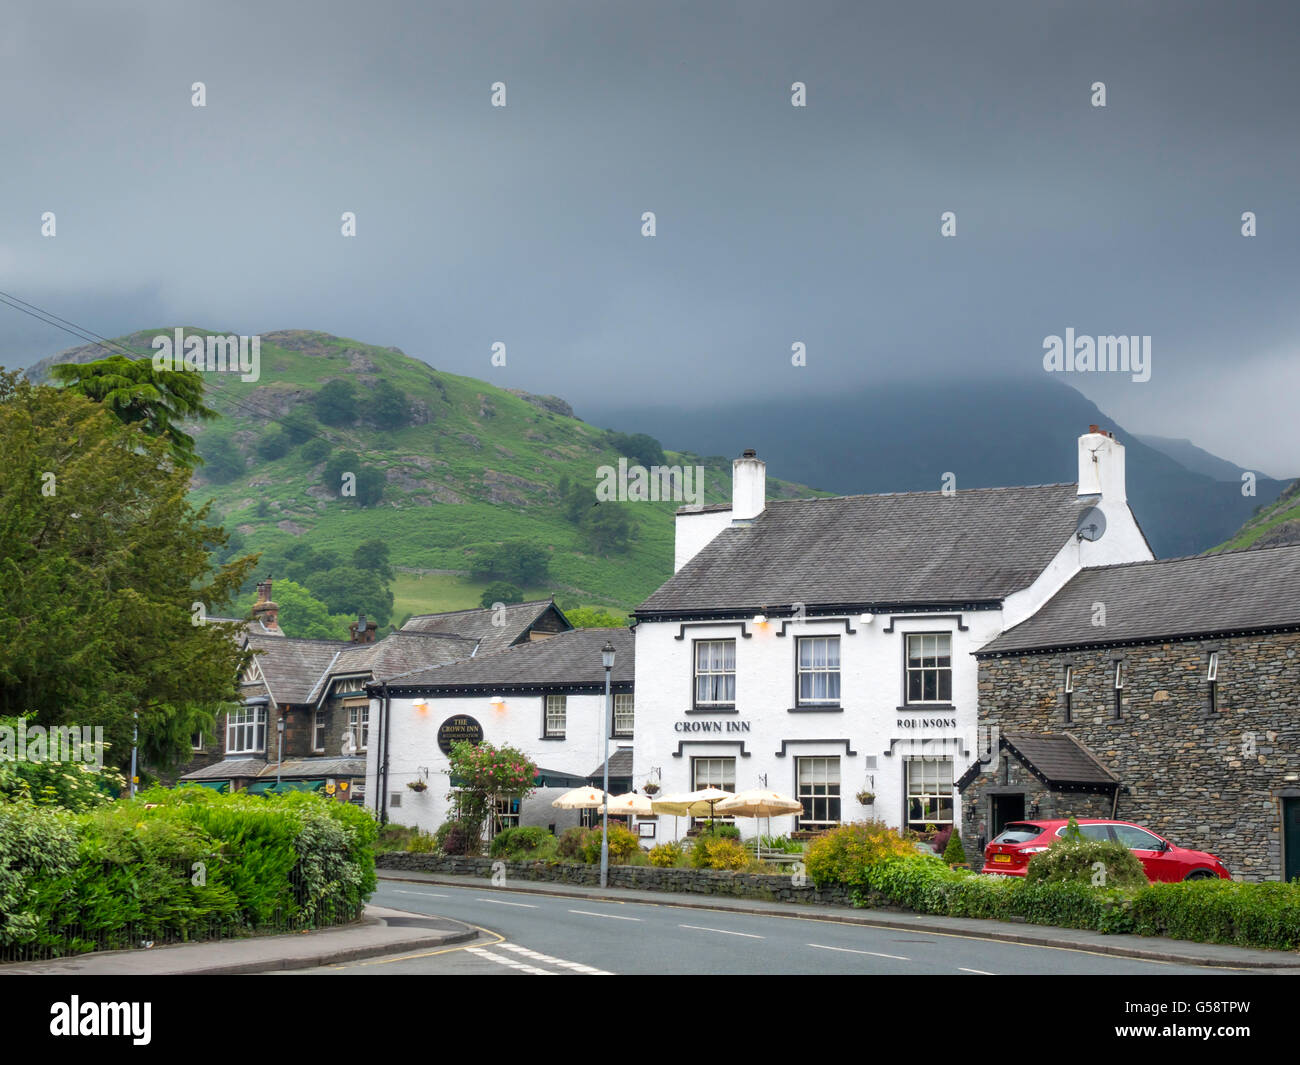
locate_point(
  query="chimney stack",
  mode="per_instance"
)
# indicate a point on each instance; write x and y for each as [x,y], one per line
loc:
[748,487]
[265,610]
[363,631]
[1101,465]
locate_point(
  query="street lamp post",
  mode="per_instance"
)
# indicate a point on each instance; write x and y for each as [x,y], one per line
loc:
[607,658]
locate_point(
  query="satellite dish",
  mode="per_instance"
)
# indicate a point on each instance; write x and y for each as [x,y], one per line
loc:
[1091,525]
[349,745]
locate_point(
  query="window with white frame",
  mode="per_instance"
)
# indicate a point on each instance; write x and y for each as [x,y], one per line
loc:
[1069,693]
[819,790]
[1212,681]
[556,715]
[1118,711]
[196,741]
[819,670]
[929,792]
[929,667]
[717,773]
[715,672]
[246,730]
[359,725]
[318,731]
[624,717]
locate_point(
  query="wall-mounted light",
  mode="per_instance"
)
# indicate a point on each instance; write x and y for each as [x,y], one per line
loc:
[867,618]
[760,619]
[497,701]
[421,705]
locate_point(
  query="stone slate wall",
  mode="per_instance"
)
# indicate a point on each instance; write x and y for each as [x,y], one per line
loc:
[1208,781]
[766,887]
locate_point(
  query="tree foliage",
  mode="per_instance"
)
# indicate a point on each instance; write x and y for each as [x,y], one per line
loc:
[515,561]
[102,560]
[136,393]
[336,402]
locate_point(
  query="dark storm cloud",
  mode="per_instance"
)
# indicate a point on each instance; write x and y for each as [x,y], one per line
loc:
[775,224]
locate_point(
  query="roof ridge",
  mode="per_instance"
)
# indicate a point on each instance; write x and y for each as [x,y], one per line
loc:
[921,492]
[1204,556]
[478,609]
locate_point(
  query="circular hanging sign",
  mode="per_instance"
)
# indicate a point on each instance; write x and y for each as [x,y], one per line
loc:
[455,729]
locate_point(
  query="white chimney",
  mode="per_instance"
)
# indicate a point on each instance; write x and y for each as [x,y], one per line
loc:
[748,486]
[1101,466]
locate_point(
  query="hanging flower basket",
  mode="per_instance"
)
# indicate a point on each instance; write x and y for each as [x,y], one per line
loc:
[651,789]
[866,797]
[417,785]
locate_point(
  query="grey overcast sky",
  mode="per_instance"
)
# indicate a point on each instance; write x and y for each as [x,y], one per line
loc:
[775,224]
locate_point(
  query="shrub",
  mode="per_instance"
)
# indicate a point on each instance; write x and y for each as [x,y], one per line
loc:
[666,855]
[461,839]
[1092,863]
[316,450]
[712,852]
[844,854]
[36,846]
[1221,911]
[518,842]
[622,845]
[720,830]
[571,840]
[953,852]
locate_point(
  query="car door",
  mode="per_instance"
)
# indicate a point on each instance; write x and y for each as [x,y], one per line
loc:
[1149,849]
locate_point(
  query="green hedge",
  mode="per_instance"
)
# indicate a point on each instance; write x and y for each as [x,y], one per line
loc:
[178,865]
[1265,915]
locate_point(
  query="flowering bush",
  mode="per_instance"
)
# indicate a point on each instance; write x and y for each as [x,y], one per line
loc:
[502,771]
[666,855]
[714,852]
[75,786]
[844,854]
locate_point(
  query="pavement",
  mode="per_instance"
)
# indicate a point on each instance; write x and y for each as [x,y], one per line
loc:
[1148,948]
[381,931]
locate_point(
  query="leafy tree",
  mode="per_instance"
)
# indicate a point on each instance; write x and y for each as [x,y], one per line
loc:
[501,592]
[102,559]
[299,426]
[274,444]
[136,393]
[516,561]
[316,450]
[373,555]
[588,617]
[369,481]
[388,407]
[336,403]
[348,590]
[640,448]
[222,459]
[607,528]
[302,614]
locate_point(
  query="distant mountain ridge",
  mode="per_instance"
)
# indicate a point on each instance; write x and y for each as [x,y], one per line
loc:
[987,432]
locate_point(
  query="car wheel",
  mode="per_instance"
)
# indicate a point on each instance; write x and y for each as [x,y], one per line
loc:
[1200,874]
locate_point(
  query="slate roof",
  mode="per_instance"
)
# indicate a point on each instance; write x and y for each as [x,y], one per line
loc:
[399,652]
[480,623]
[292,667]
[565,660]
[620,763]
[900,548]
[291,768]
[1061,761]
[1233,591]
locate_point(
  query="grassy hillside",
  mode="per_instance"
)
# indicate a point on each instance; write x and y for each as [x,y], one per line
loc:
[473,465]
[1275,524]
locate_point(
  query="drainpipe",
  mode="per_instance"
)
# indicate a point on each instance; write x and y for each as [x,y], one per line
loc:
[385,717]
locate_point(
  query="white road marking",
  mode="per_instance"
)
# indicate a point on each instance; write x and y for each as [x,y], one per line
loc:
[487,955]
[847,950]
[577,967]
[502,902]
[980,972]
[428,894]
[611,916]
[723,931]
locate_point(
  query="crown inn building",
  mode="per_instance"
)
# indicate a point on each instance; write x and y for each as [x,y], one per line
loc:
[824,648]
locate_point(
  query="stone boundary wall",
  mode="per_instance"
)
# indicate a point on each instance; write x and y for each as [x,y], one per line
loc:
[766,887]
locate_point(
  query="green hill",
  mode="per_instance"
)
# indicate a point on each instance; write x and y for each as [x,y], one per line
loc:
[468,465]
[1275,524]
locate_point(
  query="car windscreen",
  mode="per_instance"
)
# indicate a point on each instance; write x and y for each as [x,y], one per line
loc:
[1019,833]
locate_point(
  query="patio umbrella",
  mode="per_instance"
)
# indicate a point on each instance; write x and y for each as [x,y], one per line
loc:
[628,805]
[759,802]
[691,803]
[584,798]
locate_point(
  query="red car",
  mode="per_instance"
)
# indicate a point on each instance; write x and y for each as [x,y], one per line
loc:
[1010,851]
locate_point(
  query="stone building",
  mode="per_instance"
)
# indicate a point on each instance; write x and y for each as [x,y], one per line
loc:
[1163,693]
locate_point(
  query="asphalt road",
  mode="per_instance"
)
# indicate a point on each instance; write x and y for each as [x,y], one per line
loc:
[533,935]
